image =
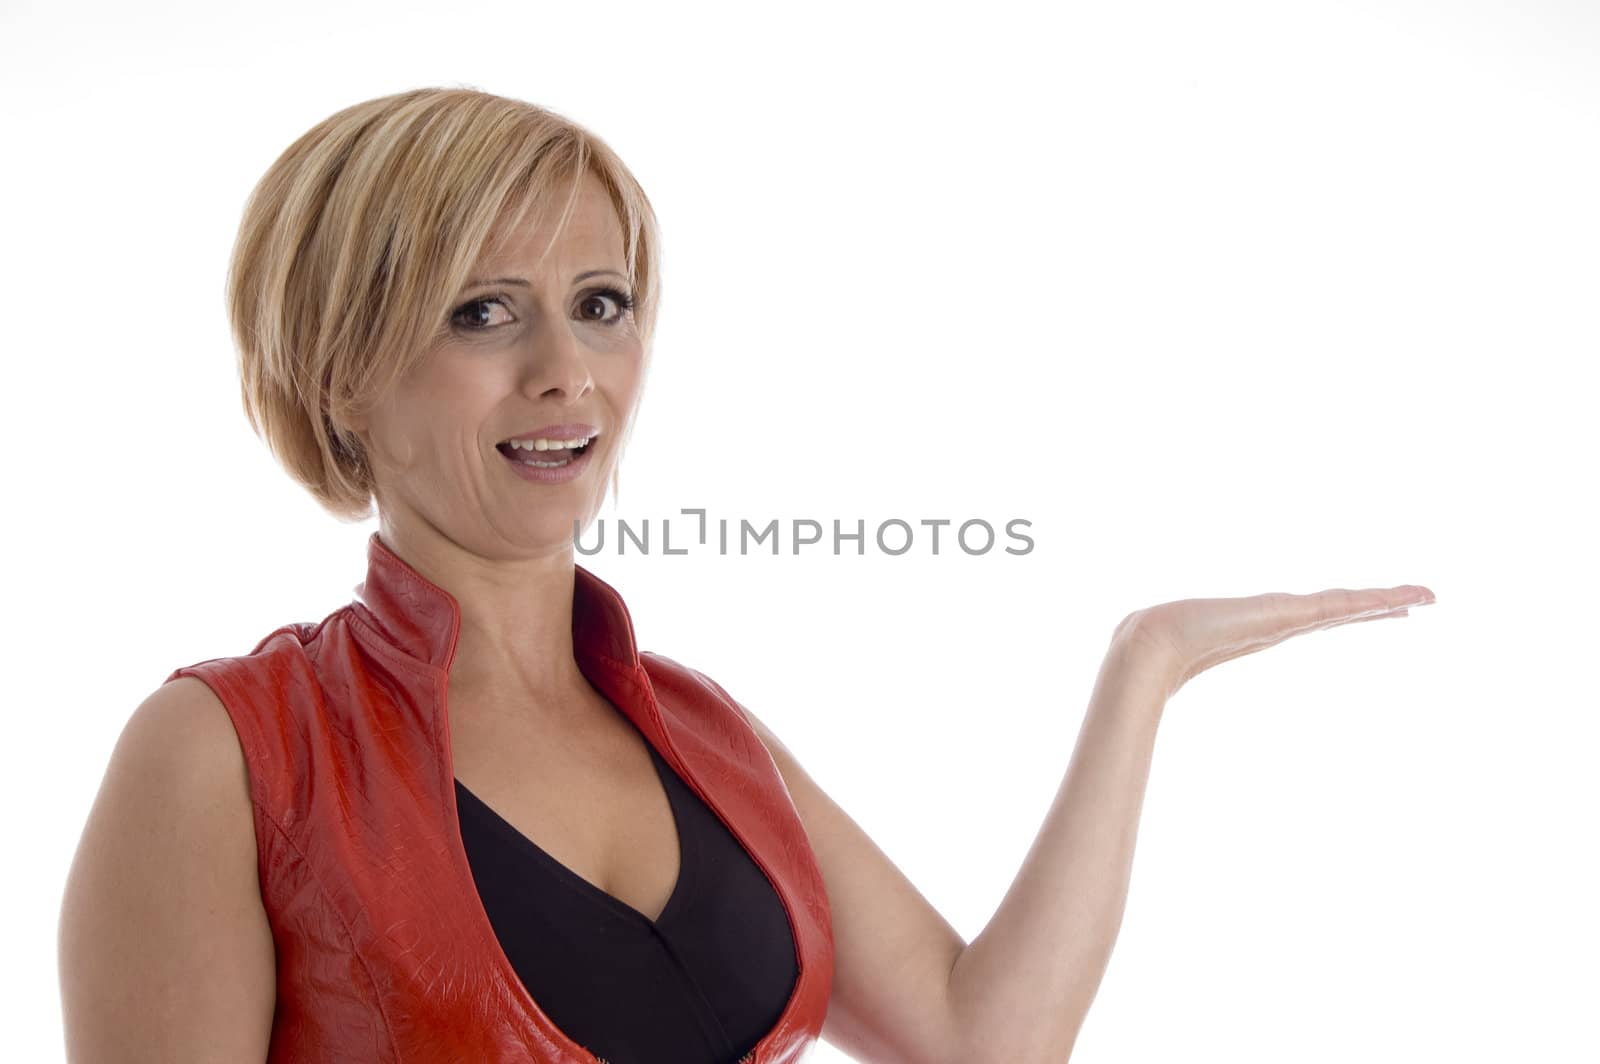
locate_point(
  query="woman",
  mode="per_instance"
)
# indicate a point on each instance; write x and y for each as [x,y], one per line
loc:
[464,817]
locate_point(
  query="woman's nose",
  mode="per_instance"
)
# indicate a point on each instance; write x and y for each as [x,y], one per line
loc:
[557,362]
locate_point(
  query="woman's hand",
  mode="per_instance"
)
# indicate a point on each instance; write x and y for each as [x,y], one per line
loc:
[1187,637]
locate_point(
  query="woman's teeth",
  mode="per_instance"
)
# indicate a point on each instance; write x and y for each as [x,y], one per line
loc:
[549,445]
[574,447]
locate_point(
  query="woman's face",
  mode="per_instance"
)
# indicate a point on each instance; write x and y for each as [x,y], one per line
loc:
[529,345]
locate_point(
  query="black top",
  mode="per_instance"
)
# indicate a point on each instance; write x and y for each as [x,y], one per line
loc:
[702,984]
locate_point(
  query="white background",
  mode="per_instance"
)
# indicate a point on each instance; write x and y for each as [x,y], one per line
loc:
[1224,298]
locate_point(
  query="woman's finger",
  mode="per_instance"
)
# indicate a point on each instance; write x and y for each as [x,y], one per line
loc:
[1293,614]
[1401,612]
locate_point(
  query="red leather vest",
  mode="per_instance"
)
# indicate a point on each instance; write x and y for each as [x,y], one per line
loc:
[384,950]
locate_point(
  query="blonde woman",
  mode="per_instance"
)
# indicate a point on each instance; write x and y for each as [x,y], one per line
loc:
[465,817]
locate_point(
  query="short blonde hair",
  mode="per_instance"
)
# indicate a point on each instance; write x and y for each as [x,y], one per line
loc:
[357,239]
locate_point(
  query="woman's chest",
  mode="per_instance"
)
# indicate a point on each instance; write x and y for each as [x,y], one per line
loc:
[591,799]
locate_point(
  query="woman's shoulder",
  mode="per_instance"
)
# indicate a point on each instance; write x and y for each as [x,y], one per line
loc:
[263,698]
[679,678]
[284,655]
[698,701]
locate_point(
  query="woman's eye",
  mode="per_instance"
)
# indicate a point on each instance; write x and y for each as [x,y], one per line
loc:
[623,302]
[474,315]
[609,306]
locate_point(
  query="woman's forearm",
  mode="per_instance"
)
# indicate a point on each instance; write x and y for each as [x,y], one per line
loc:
[1021,988]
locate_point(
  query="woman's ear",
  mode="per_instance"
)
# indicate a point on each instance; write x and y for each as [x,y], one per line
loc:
[352,429]
[349,435]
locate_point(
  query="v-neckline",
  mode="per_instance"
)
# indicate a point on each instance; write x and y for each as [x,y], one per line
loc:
[515,837]
[407,620]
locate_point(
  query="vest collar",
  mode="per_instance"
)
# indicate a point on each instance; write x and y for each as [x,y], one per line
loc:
[424,620]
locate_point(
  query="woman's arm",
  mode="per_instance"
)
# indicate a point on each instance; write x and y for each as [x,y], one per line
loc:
[165,950]
[907,989]
[1022,987]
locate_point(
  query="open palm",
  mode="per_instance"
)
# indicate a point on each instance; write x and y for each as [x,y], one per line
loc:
[1189,636]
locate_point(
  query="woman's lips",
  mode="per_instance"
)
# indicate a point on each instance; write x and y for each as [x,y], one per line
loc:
[571,430]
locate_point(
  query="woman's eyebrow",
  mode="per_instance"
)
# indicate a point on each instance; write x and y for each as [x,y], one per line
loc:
[522,282]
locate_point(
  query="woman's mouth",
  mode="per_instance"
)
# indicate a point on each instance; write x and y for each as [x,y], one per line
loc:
[555,462]
[550,458]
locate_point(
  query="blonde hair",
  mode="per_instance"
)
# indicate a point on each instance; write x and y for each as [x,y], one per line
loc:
[359,236]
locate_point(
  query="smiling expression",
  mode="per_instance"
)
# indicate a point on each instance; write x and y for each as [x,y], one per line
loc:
[528,344]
